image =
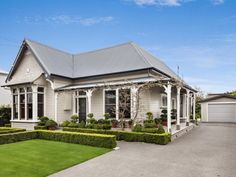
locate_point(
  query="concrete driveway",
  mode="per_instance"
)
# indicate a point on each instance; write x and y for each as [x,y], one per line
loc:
[206,151]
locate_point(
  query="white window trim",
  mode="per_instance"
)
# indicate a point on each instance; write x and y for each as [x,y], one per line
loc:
[163,95]
[34,102]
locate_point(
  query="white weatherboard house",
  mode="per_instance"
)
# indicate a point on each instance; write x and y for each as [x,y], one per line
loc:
[48,82]
[5,95]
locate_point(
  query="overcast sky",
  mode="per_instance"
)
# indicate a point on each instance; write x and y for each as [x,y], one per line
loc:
[199,36]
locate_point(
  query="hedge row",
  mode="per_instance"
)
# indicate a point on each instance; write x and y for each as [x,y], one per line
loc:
[4,130]
[15,137]
[163,139]
[98,140]
[40,127]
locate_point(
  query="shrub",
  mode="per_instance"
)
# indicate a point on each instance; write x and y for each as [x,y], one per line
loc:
[160,129]
[157,121]
[149,125]
[19,136]
[101,121]
[90,115]
[106,141]
[40,128]
[114,123]
[90,126]
[149,115]
[51,124]
[5,115]
[173,114]
[73,125]
[150,130]
[7,125]
[163,139]
[74,118]
[65,123]
[82,124]
[107,116]
[42,120]
[164,114]
[92,121]
[102,126]
[137,128]
[5,130]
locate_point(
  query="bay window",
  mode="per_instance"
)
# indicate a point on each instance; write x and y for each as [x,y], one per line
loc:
[22,103]
[23,100]
[15,104]
[40,101]
[29,103]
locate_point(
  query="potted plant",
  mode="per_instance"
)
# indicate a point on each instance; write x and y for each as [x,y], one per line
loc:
[164,117]
[114,123]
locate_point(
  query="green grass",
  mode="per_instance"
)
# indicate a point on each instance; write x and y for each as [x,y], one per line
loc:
[40,158]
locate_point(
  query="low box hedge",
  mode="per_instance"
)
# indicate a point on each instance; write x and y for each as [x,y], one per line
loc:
[19,136]
[5,130]
[163,139]
[40,127]
[98,140]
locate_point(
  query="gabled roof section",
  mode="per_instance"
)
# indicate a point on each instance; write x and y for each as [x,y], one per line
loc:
[3,72]
[120,58]
[52,60]
[217,97]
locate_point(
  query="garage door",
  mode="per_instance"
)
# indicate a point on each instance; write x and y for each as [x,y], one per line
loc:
[222,112]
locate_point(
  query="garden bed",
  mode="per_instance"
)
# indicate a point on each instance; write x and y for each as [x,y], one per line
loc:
[163,138]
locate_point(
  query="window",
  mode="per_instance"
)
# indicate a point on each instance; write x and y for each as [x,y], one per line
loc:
[29,103]
[15,105]
[124,103]
[40,101]
[110,102]
[163,100]
[22,103]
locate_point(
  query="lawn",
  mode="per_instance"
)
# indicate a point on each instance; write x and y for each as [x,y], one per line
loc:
[40,158]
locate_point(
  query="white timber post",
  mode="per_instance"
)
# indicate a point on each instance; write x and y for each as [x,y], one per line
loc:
[134,91]
[26,100]
[12,105]
[56,101]
[18,101]
[168,92]
[35,102]
[187,100]
[89,96]
[117,104]
[178,108]
[194,106]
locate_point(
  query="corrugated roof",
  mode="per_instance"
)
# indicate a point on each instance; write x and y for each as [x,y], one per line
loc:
[217,97]
[119,58]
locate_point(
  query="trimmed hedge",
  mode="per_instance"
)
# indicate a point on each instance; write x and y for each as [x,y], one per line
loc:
[40,127]
[98,140]
[5,130]
[163,138]
[15,137]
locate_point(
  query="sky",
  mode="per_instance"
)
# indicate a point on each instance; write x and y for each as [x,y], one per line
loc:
[198,36]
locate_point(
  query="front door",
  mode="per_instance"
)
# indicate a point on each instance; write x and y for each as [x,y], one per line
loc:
[82,109]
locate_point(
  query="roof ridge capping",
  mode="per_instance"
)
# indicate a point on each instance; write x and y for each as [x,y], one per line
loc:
[105,48]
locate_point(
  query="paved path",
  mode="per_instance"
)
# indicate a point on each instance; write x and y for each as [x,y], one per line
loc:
[207,151]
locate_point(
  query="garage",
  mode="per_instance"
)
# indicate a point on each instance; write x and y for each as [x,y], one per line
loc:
[220,108]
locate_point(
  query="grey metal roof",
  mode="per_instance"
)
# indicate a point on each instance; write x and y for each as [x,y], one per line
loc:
[119,58]
[3,72]
[217,97]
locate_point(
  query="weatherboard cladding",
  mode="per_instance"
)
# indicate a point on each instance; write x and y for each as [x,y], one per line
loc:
[119,58]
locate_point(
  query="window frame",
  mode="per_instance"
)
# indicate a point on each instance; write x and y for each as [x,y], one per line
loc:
[162,96]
